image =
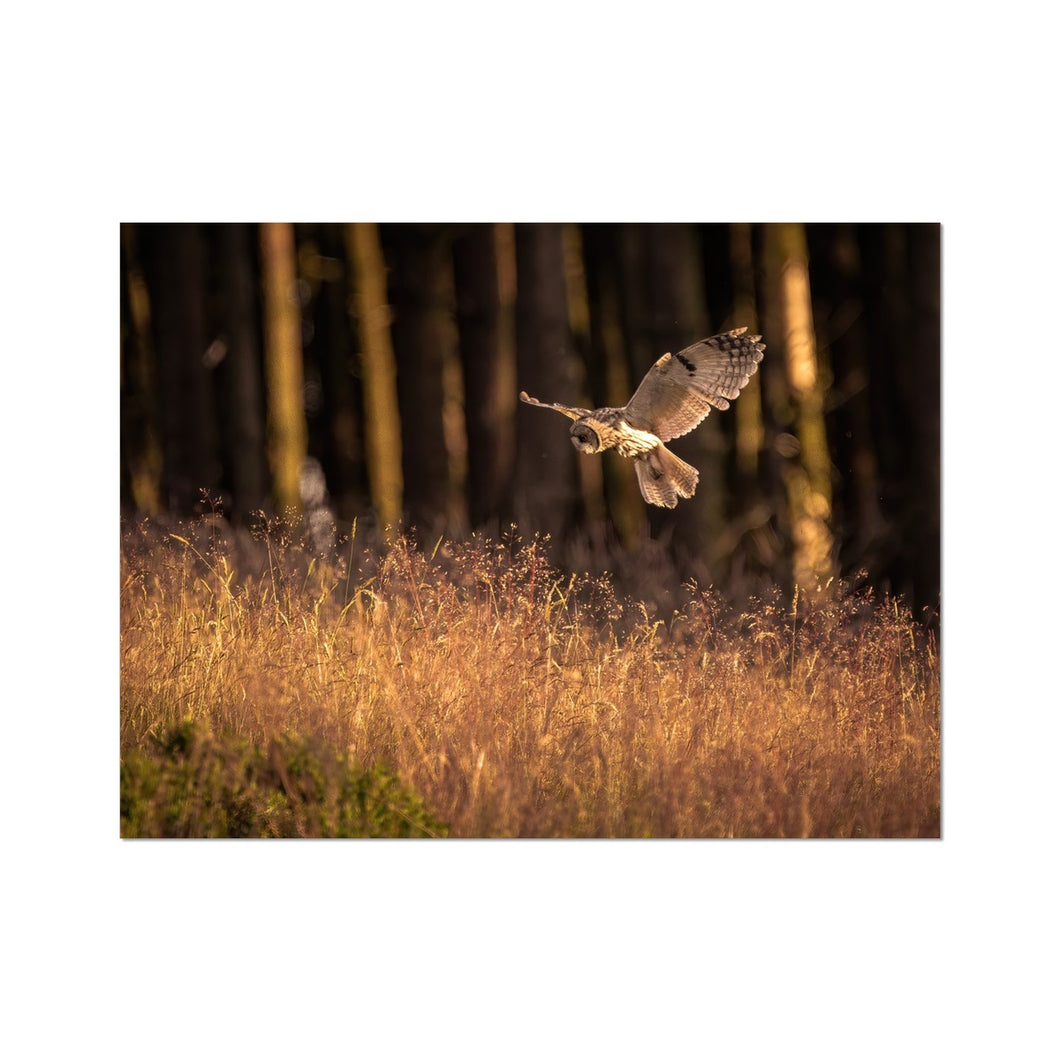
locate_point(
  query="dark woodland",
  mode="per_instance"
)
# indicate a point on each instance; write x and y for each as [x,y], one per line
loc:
[328,373]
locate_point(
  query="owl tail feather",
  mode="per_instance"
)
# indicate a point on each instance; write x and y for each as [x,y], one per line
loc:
[664,477]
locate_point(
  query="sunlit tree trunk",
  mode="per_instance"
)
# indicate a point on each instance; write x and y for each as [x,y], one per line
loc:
[808,470]
[545,485]
[241,370]
[283,364]
[382,423]
[173,261]
[478,324]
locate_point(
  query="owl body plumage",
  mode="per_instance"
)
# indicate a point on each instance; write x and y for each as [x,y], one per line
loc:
[614,432]
[674,397]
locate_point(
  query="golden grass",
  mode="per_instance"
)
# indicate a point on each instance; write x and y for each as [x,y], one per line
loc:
[518,701]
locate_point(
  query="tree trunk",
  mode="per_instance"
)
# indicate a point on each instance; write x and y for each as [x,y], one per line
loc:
[382,424]
[750,542]
[546,492]
[141,448]
[924,390]
[750,435]
[478,325]
[283,364]
[342,394]
[419,287]
[241,371]
[884,261]
[838,280]
[174,264]
[608,371]
[130,438]
[593,517]
[808,471]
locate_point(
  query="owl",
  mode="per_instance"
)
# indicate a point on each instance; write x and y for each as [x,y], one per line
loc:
[674,397]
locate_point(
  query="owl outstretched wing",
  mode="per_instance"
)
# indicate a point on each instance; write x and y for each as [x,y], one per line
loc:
[680,389]
[571,413]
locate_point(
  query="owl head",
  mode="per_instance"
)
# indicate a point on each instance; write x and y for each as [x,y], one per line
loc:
[584,438]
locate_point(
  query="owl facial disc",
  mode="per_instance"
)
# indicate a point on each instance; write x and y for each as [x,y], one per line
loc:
[584,438]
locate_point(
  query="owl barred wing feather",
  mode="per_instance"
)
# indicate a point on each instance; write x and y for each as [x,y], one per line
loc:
[680,389]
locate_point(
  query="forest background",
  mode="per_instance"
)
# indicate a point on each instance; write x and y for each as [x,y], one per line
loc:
[369,372]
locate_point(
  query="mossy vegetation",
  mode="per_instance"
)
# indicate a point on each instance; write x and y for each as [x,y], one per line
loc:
[191,783]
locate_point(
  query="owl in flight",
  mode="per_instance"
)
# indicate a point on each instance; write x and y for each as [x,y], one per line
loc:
[674,397]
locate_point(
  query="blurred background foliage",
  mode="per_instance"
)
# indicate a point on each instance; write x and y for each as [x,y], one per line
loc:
[340,372]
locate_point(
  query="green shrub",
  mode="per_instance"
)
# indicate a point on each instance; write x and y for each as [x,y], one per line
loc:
[194,784]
